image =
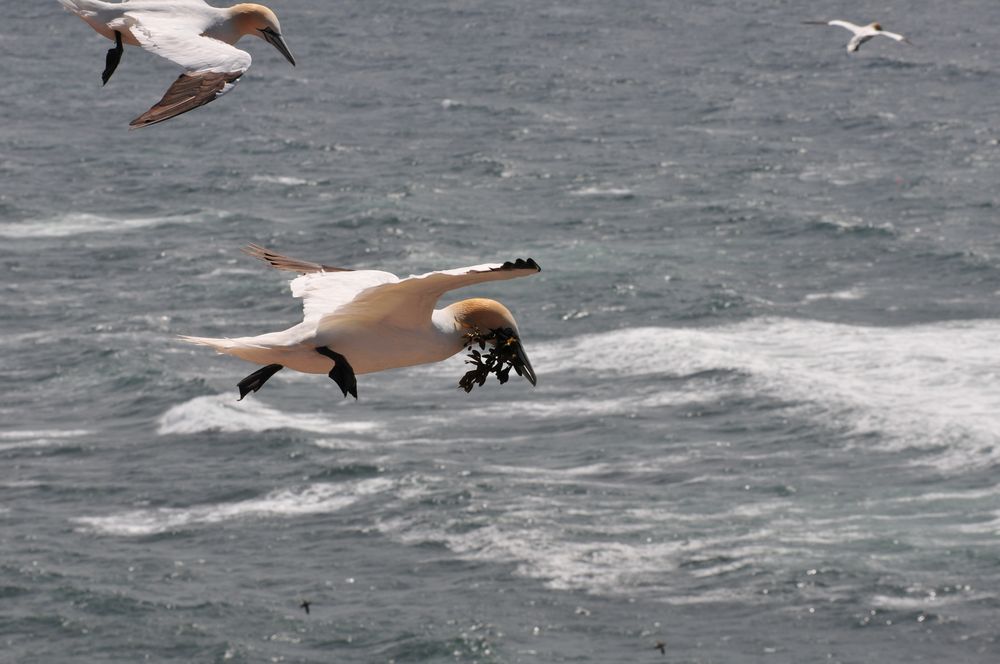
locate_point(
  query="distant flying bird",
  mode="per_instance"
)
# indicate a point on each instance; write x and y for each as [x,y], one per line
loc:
[191,33]
[661,646]
[305,606]
[862,33]
[362,321]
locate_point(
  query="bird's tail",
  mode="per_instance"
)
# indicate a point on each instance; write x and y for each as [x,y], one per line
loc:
[251,349]
[220,345]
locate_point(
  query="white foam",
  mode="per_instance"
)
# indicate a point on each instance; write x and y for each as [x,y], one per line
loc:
[43,433]
[849,294]
[584,407]
[79,223]
[313,499]
[843,174]
[946,496]
[29,444]
[921,386]
[346,444]
[534,539]
[855,223]
[607,192]
[14,440]
[284,180]
[989,528]
[927,600]
[591,475]
[608,546]
[224,413]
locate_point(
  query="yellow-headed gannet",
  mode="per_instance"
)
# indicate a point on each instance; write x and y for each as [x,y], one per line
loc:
[862,33]
[362,321]
[191,33]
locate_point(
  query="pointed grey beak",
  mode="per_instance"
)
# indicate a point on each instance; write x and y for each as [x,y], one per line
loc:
[276,40]
[529,373]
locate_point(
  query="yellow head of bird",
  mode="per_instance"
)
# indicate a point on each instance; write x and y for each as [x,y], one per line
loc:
[258,20]
[482,314]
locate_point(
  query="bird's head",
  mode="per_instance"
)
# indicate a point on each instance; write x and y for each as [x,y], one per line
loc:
[876,26]
[259,21]
[484,322]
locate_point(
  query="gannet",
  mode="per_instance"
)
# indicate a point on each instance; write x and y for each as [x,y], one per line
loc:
[191,33]
[862,33]
[362,321]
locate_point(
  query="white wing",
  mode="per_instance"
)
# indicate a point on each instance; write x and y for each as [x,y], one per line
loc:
[896,36]
[330,293]
[324,289]
[213,67]
[846,24]
[410,302]
[178,38]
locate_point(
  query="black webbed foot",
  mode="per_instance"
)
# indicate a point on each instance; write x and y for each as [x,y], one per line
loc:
[342,372]
[112,59]
[256,380]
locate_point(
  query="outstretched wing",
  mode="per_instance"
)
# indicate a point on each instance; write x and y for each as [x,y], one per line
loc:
[840,24]
[188,92]
[212,67]
[324,289]
[895,35]
[410,302]
[330,293]
[845,24]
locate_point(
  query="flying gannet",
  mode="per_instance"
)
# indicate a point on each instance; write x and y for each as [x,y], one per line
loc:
[191,33]
[362,321]
[862,33]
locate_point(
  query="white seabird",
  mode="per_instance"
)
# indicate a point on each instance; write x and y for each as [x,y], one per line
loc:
[362,321]
[862,33]
[191,33]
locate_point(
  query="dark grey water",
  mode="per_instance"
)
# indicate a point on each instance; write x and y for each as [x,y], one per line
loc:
[767,427]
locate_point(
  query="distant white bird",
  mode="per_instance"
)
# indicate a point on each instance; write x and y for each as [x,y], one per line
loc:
[862,33]
[191,33]
[362,321]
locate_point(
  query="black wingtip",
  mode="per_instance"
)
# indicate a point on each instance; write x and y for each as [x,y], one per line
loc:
[521,264]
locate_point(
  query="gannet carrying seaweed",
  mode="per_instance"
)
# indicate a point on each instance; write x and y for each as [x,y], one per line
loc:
[191,33]
[362,321]
[862,33]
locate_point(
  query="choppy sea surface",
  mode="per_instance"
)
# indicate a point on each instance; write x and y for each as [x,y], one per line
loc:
[767,424]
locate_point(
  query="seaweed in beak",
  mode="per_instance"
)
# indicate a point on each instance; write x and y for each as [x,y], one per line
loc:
[506,354]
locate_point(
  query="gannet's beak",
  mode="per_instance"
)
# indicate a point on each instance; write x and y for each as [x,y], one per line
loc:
[528,372]
[277,41]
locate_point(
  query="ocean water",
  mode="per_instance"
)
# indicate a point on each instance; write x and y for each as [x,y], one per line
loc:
[767,423]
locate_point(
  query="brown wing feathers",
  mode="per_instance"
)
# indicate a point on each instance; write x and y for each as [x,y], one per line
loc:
[285,263]
[187,93]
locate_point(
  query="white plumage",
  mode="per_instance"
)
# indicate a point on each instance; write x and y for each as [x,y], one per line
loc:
[374,319]
[191,33]
[861,33]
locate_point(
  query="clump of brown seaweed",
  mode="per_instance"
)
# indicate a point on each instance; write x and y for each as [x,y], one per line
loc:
[501,358]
